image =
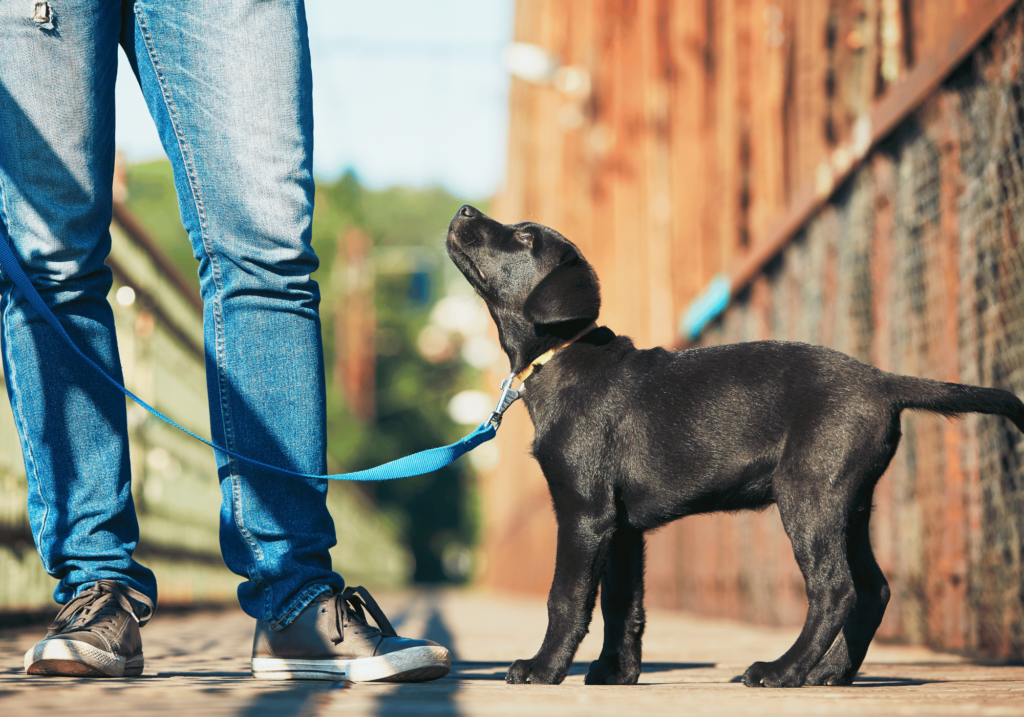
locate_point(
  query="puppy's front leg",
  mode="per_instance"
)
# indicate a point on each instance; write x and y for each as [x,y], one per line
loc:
[622,605]
[582,550]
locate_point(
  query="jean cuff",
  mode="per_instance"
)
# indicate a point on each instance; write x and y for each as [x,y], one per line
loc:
[299,604]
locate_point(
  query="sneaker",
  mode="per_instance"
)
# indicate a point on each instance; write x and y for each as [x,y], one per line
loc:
[94,635]
[331,640]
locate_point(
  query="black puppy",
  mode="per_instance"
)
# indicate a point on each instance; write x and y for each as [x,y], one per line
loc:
[629,440]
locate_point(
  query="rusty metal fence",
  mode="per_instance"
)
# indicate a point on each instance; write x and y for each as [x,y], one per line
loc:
[916,266]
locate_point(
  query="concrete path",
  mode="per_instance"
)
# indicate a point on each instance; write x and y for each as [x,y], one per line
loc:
[197,664]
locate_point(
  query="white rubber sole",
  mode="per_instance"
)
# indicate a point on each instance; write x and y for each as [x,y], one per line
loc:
[73,658]
[415,664]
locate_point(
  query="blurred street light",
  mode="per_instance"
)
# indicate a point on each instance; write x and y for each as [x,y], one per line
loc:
[470,407]
[529,62]
[125,296]
[533,63]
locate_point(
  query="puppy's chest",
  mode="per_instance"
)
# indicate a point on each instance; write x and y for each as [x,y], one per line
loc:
[560,399]
[554,409]
[573,433]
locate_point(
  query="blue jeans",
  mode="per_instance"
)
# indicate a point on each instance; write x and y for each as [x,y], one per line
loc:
[228,83]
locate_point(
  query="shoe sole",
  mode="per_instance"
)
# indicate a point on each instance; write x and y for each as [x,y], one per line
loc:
[73,658]
[414,664]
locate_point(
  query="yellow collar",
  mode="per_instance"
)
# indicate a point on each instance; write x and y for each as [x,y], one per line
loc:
[548,355]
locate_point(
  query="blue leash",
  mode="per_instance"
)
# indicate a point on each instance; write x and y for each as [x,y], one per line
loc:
[414,465]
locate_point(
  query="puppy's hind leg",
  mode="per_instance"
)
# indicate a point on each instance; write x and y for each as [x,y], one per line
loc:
[844,658]
[814,513]
[622,605]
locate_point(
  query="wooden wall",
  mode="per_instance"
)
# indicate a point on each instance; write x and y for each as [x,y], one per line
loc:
[704,123]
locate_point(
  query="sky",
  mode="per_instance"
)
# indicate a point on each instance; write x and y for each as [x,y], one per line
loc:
[405,92]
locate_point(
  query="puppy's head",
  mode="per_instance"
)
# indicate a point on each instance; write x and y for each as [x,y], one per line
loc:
[535,281]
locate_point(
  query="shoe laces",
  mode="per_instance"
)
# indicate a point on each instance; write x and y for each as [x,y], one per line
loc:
[97,608]
[349,607]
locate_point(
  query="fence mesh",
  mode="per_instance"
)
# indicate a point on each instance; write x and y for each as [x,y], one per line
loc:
[916,266]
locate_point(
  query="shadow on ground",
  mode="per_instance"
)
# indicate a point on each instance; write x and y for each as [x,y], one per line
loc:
[872,681]
[468,670]
[305,698]
[437,698]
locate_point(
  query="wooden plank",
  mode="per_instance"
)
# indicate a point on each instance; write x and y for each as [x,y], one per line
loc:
[689,166]
[655,41]
[711,210]
[807,129]
[626,164]
[727,130]
[954,518]
[769,46]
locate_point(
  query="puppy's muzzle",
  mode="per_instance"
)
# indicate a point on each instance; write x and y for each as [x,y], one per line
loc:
[458,228]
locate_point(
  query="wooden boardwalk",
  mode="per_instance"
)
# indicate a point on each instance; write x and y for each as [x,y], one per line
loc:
[197,664]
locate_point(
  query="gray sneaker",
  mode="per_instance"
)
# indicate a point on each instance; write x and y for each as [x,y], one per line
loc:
[331,640]
[94,635]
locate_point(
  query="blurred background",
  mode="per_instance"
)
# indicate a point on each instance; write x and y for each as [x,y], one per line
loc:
[841,172]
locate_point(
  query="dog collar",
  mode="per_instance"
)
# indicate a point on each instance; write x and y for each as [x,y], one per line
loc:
[509,395]
[548,355]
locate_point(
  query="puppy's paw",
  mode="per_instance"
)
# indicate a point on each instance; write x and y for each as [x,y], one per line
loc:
[831,673]
[610,670]
[519,672]
[771,674]
[754,676]
[529,672]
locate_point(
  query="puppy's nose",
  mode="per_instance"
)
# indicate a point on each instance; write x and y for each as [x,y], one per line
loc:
[468,211]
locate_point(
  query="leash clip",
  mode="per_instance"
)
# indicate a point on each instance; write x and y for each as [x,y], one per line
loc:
[507,398]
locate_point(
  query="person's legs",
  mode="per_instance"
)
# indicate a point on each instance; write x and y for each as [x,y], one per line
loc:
[56,168]
[229,86]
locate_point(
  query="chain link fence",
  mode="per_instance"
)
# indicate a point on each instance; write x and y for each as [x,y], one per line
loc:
[916,266]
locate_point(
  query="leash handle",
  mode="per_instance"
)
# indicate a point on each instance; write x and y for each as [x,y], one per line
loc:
[413,465]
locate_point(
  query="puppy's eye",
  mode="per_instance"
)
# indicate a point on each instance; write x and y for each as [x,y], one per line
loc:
[526,238]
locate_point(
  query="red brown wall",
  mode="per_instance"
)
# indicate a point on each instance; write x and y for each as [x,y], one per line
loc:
[705,121]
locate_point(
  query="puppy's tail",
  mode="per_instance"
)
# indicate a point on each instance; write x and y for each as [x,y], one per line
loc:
[951,399]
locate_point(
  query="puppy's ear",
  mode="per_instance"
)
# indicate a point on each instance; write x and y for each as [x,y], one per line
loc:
[570,292]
